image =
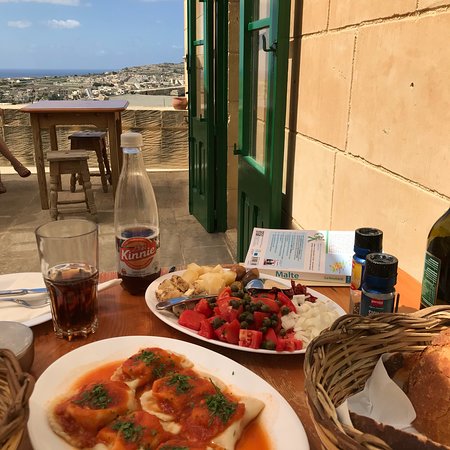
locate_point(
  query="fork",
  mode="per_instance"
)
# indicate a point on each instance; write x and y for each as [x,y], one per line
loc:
[32,304]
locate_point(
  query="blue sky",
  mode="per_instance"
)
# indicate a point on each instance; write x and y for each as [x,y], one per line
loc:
[89,34]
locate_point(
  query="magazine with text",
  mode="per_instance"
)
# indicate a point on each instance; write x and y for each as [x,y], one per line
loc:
[322,257]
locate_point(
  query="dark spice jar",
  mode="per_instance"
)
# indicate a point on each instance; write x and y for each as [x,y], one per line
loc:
[378,288]
[367,240]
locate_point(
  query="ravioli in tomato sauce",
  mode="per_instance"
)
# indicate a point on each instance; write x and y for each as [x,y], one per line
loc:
[153,400]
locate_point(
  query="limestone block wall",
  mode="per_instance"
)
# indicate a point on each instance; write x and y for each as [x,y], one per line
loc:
[165,133]
[367,128]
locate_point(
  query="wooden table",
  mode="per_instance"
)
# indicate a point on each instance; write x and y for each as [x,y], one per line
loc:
[51,113]
[121,314]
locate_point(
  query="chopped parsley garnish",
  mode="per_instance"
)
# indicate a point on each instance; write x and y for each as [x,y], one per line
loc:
[129,430]
[181,382]
[219,406]
[159,370]
[147,357]
[95,398]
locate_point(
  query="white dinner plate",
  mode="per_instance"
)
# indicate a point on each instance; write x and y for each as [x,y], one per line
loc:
[172,320]
[10,311]
[280,421]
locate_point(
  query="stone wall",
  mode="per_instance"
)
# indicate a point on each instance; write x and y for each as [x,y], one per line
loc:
[367,126]
[165,133]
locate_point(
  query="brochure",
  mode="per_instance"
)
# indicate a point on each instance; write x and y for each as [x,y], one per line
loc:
[314,257]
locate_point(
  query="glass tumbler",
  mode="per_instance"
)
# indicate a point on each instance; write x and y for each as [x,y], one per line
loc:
[68,253]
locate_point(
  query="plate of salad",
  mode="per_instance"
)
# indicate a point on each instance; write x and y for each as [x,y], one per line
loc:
[264,322]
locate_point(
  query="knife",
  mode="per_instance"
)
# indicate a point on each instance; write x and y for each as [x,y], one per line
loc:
[13,292]
[180,300]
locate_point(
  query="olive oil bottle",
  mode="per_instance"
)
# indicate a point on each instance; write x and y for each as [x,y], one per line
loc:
[436,275]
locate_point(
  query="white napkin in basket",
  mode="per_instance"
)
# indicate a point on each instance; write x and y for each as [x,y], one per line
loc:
[381,400]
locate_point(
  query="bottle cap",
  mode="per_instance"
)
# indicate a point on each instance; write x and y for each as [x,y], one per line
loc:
[368,240]
[381,265]
[131,140]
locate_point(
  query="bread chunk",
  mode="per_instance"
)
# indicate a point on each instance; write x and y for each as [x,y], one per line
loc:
[428,388]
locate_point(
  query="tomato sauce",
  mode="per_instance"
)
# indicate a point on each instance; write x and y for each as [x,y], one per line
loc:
[254,438]
[103,372]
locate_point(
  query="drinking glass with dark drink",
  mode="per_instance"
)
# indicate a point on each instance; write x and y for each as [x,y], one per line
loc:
[68,252]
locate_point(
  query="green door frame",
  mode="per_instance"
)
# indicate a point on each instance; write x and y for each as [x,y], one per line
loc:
[260,182]
[208,131]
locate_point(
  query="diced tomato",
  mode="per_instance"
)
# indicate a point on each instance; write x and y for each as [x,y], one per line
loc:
[191,319]
[224,293]
[272,304]
[203,307]
[258,318]
[280,345]
[288,345]
[231,331]
[206,330]
[250,338]
[286,301]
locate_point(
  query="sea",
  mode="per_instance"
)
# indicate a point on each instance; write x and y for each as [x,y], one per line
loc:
[40,73]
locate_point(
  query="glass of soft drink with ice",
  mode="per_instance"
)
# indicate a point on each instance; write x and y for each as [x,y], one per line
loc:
[68,252]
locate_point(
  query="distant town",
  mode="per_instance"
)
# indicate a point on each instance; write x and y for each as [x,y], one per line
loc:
[152,79]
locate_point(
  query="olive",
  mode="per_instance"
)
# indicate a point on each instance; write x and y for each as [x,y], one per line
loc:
[242,316]
[235,304]
[236,286]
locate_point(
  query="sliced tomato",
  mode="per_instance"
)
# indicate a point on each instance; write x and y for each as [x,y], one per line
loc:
[203,307]
[220,332]
[191,319]
[286,301]
[271,336]
[226,311]
[231,331]
[224,293]
[250,338]
[206,330]
[270,295]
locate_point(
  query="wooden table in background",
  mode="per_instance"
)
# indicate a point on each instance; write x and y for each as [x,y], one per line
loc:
[52,113]
[121,314]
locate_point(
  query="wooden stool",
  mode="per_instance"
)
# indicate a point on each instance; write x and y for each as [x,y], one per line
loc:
[69,163]
[95,141]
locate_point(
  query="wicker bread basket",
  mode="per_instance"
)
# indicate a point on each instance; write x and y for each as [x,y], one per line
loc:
[16,387]
[340,360]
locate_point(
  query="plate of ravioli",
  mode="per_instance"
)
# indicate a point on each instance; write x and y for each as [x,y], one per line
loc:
[137,392]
